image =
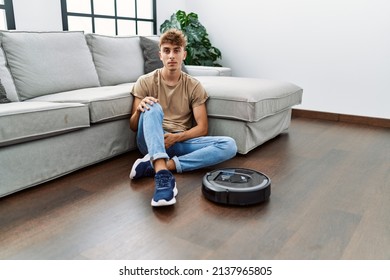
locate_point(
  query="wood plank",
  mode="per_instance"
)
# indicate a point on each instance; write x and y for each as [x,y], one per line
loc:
[364,120]
[330,199]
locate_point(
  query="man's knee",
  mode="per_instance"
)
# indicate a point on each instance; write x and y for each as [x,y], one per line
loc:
[155,110]
[228,146]
[156,107]
[231,147]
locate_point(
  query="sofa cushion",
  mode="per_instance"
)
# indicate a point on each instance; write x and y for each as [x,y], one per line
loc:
[6,78]
[48,62]
[117,59]
[3,94]
[248,99]
[200,70]
[26,121]
[150,50]
[249,135]
[105,103]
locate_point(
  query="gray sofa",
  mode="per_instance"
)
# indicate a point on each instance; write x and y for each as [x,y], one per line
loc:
[71,102]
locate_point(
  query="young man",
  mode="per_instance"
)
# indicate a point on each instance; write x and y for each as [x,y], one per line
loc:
[169,115]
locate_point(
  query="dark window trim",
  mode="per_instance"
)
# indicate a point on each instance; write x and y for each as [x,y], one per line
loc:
[9,14]
[92,16]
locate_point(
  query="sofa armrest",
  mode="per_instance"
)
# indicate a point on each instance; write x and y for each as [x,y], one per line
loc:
[196,70]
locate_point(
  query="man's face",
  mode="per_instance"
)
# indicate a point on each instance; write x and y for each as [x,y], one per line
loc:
[172,56]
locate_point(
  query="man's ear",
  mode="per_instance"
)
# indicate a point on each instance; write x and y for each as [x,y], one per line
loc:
[185,55]
[159,54]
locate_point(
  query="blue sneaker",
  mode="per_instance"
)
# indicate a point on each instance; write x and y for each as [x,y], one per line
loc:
[165,189]
[142,168]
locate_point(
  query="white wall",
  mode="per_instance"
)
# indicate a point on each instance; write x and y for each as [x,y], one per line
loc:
[165,8]
[338,51]
[38,15]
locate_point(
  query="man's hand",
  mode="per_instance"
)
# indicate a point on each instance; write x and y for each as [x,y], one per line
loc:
[171,138]
[145,103]
[200,129]
[139,106]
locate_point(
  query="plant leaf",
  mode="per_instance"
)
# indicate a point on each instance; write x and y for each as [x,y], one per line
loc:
[200,51]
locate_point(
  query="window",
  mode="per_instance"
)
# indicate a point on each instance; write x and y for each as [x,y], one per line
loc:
[110,17]
[7,19]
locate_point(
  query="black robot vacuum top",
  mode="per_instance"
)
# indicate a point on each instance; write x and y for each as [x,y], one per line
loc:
[236,186]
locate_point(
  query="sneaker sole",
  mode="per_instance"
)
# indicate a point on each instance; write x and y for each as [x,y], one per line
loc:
[133,173]
[163,202]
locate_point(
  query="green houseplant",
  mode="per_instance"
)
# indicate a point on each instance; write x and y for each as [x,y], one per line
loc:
[200,51]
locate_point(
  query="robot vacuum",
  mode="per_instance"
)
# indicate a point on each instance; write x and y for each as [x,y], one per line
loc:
[236,186]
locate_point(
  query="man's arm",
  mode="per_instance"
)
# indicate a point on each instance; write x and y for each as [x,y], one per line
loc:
[139,106]
[135,114]
[200,129]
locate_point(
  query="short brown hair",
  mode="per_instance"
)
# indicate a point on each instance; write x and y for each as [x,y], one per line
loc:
[175,37]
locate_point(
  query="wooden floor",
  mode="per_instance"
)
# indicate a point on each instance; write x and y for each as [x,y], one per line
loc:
[330,200]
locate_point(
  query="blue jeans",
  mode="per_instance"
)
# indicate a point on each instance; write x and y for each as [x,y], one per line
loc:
[188,155]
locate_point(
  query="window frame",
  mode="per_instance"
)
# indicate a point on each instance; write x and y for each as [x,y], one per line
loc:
[8,7]
[93,16]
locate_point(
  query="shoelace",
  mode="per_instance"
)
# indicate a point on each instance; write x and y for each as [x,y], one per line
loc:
[163,180]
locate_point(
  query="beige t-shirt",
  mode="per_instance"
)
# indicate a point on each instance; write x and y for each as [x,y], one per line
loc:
[177,101]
